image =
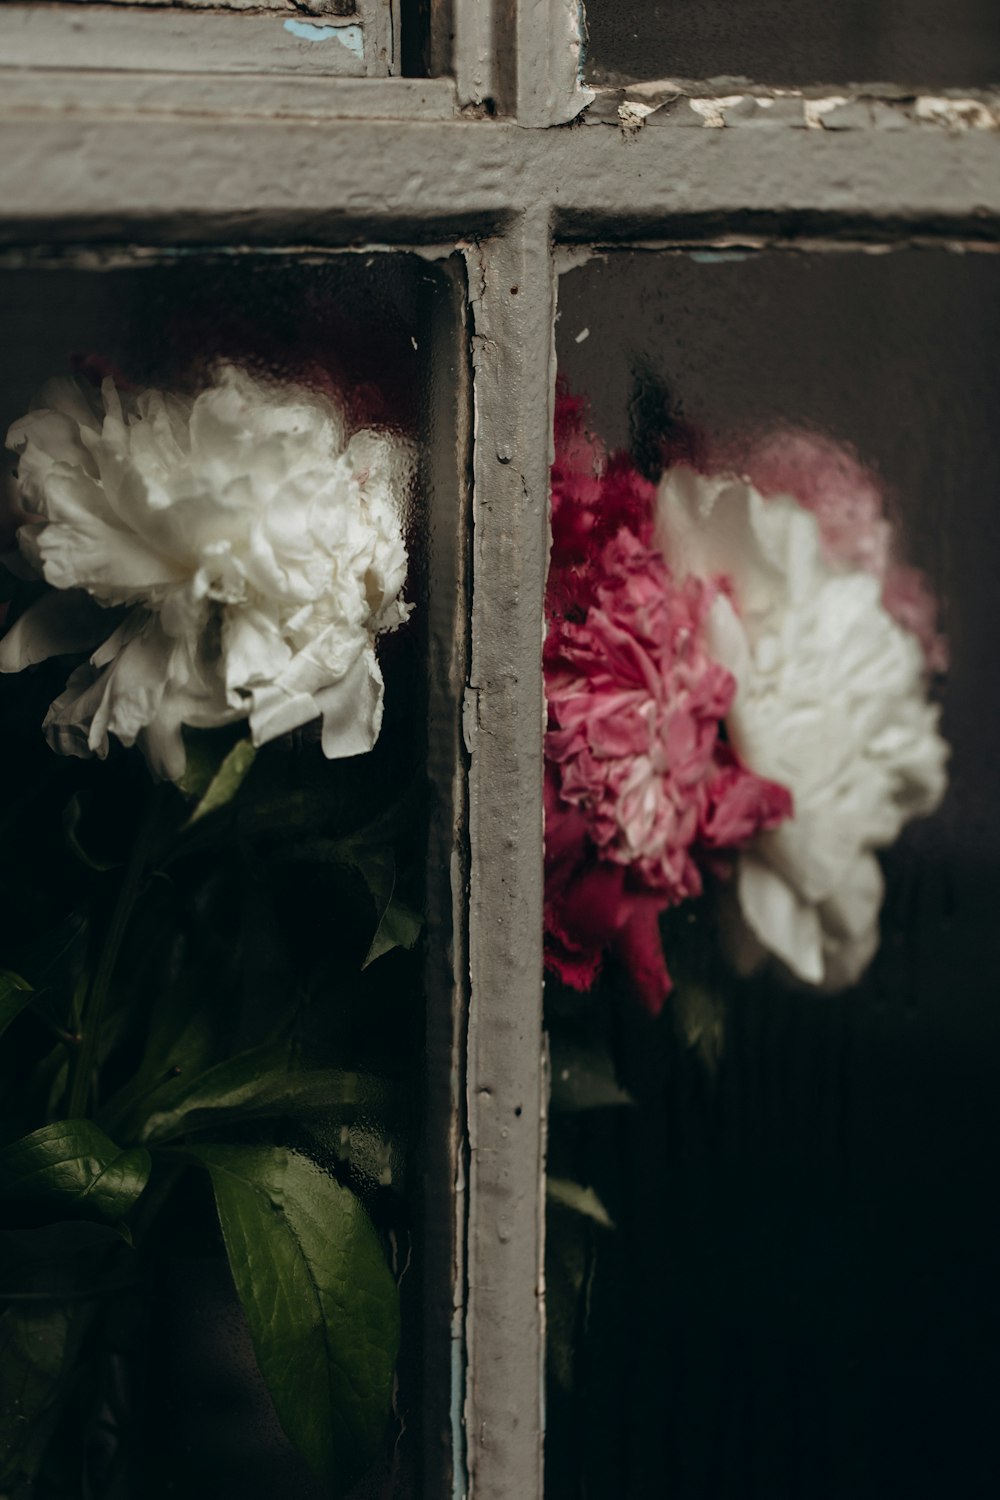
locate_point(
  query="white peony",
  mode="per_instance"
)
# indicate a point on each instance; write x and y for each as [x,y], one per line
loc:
[251,549]
[830,701]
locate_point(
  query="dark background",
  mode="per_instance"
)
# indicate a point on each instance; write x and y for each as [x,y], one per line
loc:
[933,43]
[800,1298]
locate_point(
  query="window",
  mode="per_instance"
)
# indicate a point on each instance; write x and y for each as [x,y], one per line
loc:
[466,178]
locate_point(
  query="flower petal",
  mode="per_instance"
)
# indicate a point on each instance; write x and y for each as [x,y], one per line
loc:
[780,920]
[60,623]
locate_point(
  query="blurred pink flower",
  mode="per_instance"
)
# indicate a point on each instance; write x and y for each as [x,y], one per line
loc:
[637,777]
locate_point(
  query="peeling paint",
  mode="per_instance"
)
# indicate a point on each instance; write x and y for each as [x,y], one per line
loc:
[814,109]
[470,717]
[674,102]
[713,111]
[570,257]
[633,116]
[348,36]
[958,114]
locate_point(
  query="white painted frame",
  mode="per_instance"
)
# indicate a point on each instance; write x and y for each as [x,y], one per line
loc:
[194,36]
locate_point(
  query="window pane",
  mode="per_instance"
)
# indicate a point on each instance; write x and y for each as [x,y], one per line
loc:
[910,42]
[214,941]
[797,1294]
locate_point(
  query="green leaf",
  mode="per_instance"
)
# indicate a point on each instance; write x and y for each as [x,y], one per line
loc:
[259,1084]
[226,781]
[320,1301]
[569,1268]
[15,995]
[54,1281]
[583,1077]
[59,1259]
[54,960]
[40,1347]
[700,1017]
[399,927]
[72,1166]
[582,1200]
[204,752]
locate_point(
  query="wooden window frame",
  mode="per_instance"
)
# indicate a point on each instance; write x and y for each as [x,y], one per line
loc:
[225,37]
[509,161]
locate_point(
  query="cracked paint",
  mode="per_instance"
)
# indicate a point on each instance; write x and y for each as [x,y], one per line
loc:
[675,102]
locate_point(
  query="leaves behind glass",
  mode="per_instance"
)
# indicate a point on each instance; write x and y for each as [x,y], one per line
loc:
[243,956]
[583,1075]
[265,1083]
[72,1168]
[15,994]
[53,1278]
[41,1344]
[320,1301]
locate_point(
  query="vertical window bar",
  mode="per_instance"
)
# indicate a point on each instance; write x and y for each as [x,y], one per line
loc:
[444,1202]
[512,299]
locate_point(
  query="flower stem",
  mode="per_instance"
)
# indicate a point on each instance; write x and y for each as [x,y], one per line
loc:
[97,994]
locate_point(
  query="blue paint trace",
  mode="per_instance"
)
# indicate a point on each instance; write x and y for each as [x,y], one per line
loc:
[348,36]
[716,257]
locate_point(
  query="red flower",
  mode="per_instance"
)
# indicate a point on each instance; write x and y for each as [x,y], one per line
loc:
[638,780]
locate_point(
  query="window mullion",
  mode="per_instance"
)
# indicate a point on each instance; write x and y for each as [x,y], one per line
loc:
[512,298]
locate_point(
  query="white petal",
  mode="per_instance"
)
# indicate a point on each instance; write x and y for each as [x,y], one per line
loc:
[830,702]
[134,685]
[276,711]
[67,724]
[848,958]
[851,912]
[253,650]
[784,924]
[58,624]
[262,553]
[352,709]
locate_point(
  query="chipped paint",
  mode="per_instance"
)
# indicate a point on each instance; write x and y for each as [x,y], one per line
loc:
[675,102]
[348,36]
[569,257]
[713,111]
[814,109]
[958,114]
[633,116]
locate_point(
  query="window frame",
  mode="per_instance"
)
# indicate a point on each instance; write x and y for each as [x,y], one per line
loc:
[202,37]
[137,164]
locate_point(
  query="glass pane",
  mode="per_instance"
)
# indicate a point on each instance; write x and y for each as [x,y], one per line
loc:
[772,1236]
[226,478]
[912,42]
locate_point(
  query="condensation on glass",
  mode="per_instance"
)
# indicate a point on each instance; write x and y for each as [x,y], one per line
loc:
[929,43]
[798,1296]
[186,1411]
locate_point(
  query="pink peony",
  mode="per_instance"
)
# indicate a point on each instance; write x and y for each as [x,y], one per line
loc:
[855,532]
[638,780]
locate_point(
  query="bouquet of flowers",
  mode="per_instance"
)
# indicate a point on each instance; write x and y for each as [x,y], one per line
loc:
[187,991]
[737,670]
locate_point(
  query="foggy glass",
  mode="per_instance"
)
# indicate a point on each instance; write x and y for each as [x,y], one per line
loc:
[931,43]
[798,1296]
[197,1416]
